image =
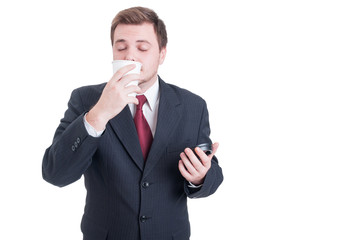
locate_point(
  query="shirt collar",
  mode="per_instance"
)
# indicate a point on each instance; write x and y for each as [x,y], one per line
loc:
[152,95]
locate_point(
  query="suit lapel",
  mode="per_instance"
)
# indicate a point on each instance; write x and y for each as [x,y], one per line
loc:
[123,126]
[168,118]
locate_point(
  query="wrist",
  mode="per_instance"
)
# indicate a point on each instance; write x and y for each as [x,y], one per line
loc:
[197,182]
[96,120]
[192,185]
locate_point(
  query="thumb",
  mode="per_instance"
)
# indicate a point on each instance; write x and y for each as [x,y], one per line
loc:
[214,149]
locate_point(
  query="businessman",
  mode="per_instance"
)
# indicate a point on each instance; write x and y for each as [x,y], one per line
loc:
[136,153]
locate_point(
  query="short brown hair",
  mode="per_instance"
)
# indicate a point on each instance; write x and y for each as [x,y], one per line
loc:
[139,15]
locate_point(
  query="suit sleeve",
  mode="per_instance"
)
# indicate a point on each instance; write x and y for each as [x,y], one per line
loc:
[72,148]
[214,176]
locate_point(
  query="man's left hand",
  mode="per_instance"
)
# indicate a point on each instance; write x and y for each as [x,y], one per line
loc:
[193,169]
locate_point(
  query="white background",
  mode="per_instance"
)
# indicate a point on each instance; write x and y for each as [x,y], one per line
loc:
[282,83]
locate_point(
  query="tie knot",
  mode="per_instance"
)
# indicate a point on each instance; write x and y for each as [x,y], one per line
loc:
[142,99]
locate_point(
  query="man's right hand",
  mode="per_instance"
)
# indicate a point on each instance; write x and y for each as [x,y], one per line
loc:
[114,98]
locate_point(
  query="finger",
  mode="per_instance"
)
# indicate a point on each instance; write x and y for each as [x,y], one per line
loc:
[206,160]
[120,73]
[193,158]
[126,80]
[133,100]
[184,171]
[188,164]
[132,89]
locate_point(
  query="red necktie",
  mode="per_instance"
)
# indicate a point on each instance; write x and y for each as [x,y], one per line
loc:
[142,126]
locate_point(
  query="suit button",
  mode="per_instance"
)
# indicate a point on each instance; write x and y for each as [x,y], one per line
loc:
[73,148]
[143,219]
[76,144]
[145,184]
[78,140]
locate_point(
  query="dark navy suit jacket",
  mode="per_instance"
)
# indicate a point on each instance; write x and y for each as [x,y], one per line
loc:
[129,198]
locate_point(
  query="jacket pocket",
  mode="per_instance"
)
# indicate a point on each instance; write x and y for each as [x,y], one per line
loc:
[91,230]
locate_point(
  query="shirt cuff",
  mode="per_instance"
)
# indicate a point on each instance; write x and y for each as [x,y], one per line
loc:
[191,185]
[89,128]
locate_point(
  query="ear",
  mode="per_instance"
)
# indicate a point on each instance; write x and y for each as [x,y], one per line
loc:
[162,54]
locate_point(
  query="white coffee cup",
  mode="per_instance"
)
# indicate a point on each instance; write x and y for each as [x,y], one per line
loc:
[117,64]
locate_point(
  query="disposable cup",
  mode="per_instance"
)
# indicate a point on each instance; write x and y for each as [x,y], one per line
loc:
[118,64]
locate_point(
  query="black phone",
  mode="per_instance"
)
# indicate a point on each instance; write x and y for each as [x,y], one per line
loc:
[205,147]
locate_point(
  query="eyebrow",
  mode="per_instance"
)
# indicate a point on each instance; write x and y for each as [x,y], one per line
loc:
[138,41]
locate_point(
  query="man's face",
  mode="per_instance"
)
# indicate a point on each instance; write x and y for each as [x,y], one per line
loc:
[139,43]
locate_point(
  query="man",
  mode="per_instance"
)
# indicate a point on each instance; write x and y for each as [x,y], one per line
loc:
[132,192]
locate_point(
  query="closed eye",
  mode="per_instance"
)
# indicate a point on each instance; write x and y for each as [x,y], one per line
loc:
[143,47]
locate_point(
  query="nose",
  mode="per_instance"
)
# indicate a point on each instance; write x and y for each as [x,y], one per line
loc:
[130,56]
